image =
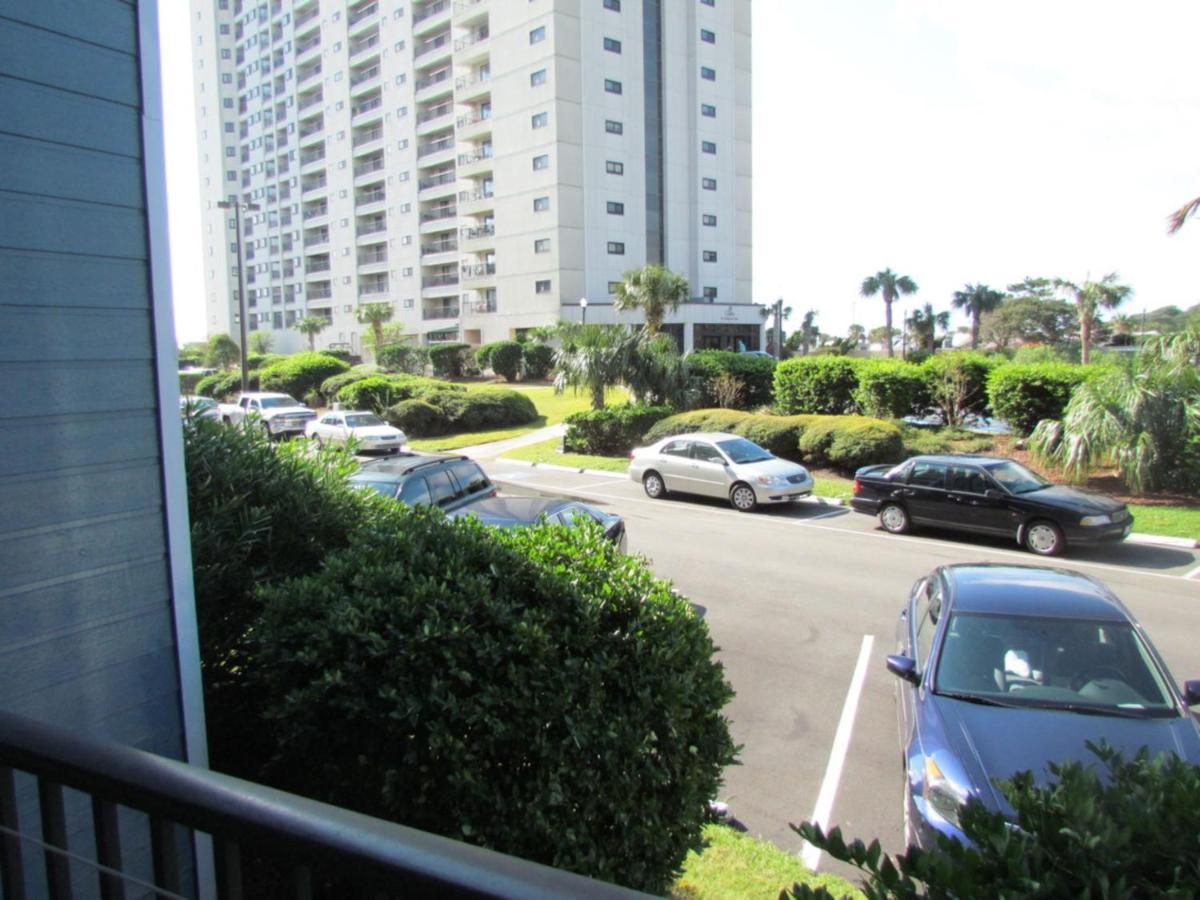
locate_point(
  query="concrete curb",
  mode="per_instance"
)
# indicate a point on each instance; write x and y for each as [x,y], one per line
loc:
[554,467]
[1159,540]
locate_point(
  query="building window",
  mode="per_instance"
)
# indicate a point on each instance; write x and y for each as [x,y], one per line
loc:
[708,147]
[612,45]
[611,86]
[539,120]
[708,74]
[612,126]
[538,77]
[616,248]
[708,110]
[612,167]
[227,102]
[537,35]
[613,287]
[707,36]
[541,287]
[614,5]
[541,245]
[709,184]
[708,2]
[615,208]
[541,162]
[225,54]
[708,219]
[231,176]
[541,204]
[710,293]
[710,255]
[226,78]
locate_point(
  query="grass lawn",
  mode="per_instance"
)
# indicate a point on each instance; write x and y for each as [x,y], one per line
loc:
[1171,521]
[550,452]
[734,866]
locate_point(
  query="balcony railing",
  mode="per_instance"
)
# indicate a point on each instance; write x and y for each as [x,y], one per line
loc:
[291,840]
[477,194]
[481,34]
[371,228]
[315,211]
[430,81]
[445,212]
[438,247]
[479,115]
[308,45]
[359,46]
[370,289]
[486,305]
[435,180]
[366,106]
[439,280]
[435,147]
[366,75]
[369,197]
[302,77]
[477,231]
[316,267]
[430,114]
[365,137]
[309,101]
[366,11]
[449,311]
[432,44]
[463,5]
[475,155]
[307,16]
[312,185]
[319,293]
[478,270]
[420,15]
[367,259]
[368,167]
[316,240]
[467,81]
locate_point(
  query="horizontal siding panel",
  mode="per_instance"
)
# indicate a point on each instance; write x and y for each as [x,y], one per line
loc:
[78,550]
[46,114]
[38,501]
[53,389]
[43,443]
[112,23]
[36,167]
[67,63]
[43,279]
[80,602]
[68,226]
[63,334]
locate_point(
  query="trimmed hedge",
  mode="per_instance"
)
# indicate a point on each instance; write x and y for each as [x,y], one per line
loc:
[538,360]
[226,385]
[447,409]
[378,392]
[1024,394]
[889,389]
[816,384]
[957,383]
[331,385]
[449,360]
[612,431]
[779,434]
[402,358]
[696,420]
[756,373]
[505,359]
[299,374]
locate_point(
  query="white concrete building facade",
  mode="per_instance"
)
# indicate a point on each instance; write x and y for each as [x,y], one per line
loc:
[479,165]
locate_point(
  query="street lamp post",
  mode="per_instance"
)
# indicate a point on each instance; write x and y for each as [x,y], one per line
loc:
[237,207]
[583,310]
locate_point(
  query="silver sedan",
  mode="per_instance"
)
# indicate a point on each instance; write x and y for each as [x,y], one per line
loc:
[715,464]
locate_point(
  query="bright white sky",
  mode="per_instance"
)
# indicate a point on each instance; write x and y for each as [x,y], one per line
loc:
[951,141]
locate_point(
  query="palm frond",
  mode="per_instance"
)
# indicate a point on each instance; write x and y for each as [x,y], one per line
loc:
[1176,219]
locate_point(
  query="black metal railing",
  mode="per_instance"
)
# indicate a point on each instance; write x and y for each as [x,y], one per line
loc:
[307,844]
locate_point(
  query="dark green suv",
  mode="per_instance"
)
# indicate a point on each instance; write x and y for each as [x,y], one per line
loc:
[447,482]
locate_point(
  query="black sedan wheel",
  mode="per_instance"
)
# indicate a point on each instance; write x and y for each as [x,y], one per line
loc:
[894,518]
[652,483]
[1044,538]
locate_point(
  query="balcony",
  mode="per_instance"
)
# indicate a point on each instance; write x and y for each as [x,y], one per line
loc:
[475,116]
[430,16]
[466,7]
[438,112]
[310,43]
[363,45]
[367,137]
[433,85]
[307,100]
[442,280]
[438,247]
[444,145]
[306,15]
[314,185]
[472,38]
[439,45]
[364,76]
[316,239]
[372,289]
[366,198]
[368,165]
[371,226]
[439,214]
[470,86]
[477,232]
[373,257]
[303,75]
[438,179]
[366,105]
[475,201]
[485,304]
[316,264]
[315,212]
[472,271]
[439,311]
[362,13]
[320,293]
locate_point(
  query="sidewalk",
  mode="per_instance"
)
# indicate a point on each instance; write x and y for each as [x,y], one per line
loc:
[496,448]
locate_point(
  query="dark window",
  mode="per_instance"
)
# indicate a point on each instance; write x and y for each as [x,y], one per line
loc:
[706,453]
[541,204]
[612,287]
[707,109]
[707,36]
[470,477]
[616,248]
[708,74]
[614,5]
[708,147]
[612,167]
[710,293]
[930,611]
[677,448]
[613,87]
[616,209]
[541,287]
[967,479]
[612,126]
[708,219]
[927,474]
[710,255]
[414,491]
[612,45]
[709,184]
[442,489]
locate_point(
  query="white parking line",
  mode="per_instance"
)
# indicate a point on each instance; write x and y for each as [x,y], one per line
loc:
[810,855]
[1195,573]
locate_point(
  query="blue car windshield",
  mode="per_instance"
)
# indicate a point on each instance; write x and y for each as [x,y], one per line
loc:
[1032,661]
[741,451]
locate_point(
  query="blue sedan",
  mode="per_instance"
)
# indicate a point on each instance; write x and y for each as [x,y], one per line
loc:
[1005,669]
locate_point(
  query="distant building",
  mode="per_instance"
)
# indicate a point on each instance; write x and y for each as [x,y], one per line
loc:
[480,165]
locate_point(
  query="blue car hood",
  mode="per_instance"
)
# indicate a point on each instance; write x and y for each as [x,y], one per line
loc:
[996,743]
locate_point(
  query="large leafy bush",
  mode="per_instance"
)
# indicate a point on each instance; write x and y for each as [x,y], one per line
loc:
[447,409]
[504,358]
[889,388]
[696,420]
[1023,395]
[848,442]
[755,373]
[334,383]
[299,374]
[611,431]
[537,360]
[449,360]
[815,384]
[402,357]
[379,392]
[225,385]
[957,383]
[1130,831]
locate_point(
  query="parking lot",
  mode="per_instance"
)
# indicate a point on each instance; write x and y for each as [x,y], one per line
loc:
[803,601]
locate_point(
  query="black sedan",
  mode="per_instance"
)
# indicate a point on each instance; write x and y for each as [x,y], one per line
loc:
[521,512]
[1005,669]
[988,495]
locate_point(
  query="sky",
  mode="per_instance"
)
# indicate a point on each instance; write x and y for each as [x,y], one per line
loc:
[953,142]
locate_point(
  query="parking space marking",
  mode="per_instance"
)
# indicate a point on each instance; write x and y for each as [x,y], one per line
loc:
[1195,573]
[810,855]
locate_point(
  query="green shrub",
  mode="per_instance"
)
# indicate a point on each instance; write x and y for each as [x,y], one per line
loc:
[815,384]
[484,685]
[192,355]
[262,360]
[402,357]
[537,360]
[377,392]
[461,411]
[299,374]
[612,431]
[1128,831]
[189,380]
[417,418]
[1023,395]
[344,355]
[483,355]
[778,434]
[225,385]
[505,359]
[957,383]
[756,374]
[449,360]
[334,383]
[889,389]
[696,420]
[848,442]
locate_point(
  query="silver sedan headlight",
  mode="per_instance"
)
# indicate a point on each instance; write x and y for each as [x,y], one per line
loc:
[772,480]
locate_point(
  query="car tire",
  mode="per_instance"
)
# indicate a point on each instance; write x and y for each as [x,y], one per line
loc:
[1044,538]
[316,439]
[653,485]
[226,420]
[894,519]
[742,497]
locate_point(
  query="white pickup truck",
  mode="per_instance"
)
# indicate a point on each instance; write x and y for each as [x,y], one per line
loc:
[278,414]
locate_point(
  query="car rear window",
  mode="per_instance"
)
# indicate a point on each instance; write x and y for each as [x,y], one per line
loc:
[442,489]
[387,488]
[415,491]
[928,475]
[470,476]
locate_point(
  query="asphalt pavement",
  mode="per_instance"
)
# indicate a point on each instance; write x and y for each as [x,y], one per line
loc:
[802,598]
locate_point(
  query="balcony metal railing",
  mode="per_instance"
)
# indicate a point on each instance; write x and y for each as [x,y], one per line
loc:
[479,115]
[467,81]
[320,293]
[365,137]
[292,840]
[367,167]
[435,180]
[366,75]
[430,81]
[477,194]
[480,34]
[430,114]
[474,232]
[316,211]
[370,289]
[478,270]
[463,5]
[420,15]
[308,16]
[312,129]
[359,46]
[367,259]
[314,267]
[356,17]
[309,101]
[449,311]
[315,240]
[371,228]
[307,158]
[432,44]
[439,247]
[439,280]
[308,45]
[366,106]
[486,305]
[302,77]
[436,147]
[475,155]
[369,197]
[312,185]
[445,212]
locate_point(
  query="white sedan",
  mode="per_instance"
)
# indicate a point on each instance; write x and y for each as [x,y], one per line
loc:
[366,429]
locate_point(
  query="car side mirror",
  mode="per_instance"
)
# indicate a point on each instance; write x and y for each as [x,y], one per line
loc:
[1191,692]
[904,667]
[993,494]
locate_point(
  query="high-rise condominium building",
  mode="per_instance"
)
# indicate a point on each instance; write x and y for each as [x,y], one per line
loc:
[483,166]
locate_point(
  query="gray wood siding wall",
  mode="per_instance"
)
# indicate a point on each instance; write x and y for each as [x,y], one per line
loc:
[87,637]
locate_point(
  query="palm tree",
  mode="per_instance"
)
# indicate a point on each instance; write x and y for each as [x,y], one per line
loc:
[653,289]
[312,326]
[857,334]
[375,315]
[890,286]
[1089,298]
[924,324]
[593,357]
[976,299]
[1176,219]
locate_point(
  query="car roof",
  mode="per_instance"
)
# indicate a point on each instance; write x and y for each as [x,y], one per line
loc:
[951,458]
[514,509]
[702,436]
[1031,591]
[261,394]
[349,412]
[396,467]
